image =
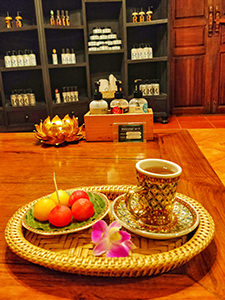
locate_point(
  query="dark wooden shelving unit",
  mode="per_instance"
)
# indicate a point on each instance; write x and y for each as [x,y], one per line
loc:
[40,36]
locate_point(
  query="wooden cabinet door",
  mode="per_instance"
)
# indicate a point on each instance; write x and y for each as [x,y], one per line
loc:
[218,105]
[194,59]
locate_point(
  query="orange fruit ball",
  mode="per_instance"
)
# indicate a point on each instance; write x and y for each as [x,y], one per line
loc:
[63,197]
[82,209]
[42,209]
[60,216]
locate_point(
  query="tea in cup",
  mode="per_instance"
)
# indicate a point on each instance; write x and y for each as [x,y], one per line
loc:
[152,200]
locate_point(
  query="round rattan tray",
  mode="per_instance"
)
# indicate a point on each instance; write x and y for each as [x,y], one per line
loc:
[72,252]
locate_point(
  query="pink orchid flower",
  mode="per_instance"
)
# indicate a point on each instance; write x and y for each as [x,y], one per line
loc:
[110,239]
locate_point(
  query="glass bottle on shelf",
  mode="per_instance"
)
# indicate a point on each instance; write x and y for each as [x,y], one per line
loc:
[20,62]
[58,18]
[54,57]
[26,58]
[7,60]
[141,15]
[63,18]
[19,20]
[52,18]
[134,17]
[67,18]
[8,20]
[14,59]
[32,58]
[149,14]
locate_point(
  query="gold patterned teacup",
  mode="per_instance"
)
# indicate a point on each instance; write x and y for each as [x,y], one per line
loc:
[152,200]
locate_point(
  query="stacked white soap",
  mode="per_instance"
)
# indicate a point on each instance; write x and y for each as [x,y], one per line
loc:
[102,38]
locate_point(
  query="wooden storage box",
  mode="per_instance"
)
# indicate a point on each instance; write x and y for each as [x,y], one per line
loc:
[101,127]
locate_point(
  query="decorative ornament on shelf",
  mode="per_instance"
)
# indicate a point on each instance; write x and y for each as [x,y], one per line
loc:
[58,131]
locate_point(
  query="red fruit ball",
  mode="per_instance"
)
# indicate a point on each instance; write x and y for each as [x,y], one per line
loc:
[82,209]
[77,195]
[60,216]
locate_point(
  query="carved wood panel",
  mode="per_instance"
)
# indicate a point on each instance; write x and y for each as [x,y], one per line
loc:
[188,81]
[222,80]
[189,8]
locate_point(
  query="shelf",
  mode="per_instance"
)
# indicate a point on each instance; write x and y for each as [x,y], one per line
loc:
[81,101]
[102,1]
[59,66]
[105,52]
[25,28]
[154,59]
[20,69]
[64,27]
[151,23]
[38,106]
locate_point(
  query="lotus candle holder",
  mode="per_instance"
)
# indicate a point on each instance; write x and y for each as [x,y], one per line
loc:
[58,131]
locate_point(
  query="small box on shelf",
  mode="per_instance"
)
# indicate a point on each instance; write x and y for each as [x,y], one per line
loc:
[100,127]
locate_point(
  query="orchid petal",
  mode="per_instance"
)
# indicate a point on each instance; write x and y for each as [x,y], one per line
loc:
[100,248]
[124,236]
[129,244]
[99,228]
[118,250]
[115,224]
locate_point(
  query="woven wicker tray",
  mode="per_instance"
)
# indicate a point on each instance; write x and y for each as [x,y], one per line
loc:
[72,252]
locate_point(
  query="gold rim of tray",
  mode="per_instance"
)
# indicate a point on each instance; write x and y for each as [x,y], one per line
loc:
[132,266]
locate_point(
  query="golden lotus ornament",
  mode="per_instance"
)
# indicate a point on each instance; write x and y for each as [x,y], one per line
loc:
[58,131]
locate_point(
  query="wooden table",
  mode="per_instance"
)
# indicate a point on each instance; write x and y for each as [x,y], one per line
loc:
[26,174]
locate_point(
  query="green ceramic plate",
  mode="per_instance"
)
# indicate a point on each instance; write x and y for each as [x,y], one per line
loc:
[101,206]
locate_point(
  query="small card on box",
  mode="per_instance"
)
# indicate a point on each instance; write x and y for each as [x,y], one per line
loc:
[129,132]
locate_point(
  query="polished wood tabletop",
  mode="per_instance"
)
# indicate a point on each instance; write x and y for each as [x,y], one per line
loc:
[26,174]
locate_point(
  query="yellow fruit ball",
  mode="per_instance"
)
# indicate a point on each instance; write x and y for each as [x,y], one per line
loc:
[42,209]
[63,197]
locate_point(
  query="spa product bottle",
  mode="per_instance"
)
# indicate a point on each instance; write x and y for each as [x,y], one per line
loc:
[141,15]
[75,93]
[26,101]
[8,20]
[52,18]
[67,18]
[32,58]
[149,14]
[134,17]
[73,57]
[57,96]
[63,18]
[7,59]
[20,62]
[64,57]
[13,59]
[20,98]
[138,104]
[19,20]
[13,98]
[68,56]
[54,57]
[58,19]
[64,94]
[119,105]
[31,95]
[26,58]
[134,52]
[98,106]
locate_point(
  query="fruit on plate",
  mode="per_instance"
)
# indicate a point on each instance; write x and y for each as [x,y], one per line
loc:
[42,209]
[77,195]
[60,216]
[82,209]
[63,197]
